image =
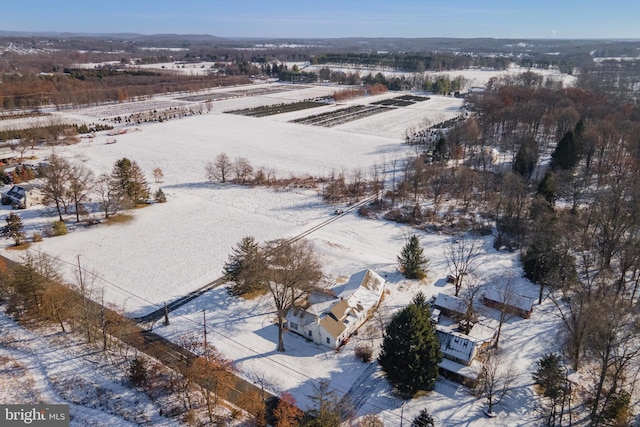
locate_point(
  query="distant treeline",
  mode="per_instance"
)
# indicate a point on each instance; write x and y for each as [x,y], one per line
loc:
[86,87]
[411,62]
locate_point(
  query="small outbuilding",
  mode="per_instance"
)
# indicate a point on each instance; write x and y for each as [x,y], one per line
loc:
[7,155]
[16,197]
[508,301]
[449,305]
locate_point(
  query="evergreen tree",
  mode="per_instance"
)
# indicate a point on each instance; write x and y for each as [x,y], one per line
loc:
[551,379]
[441,150]
[411,351]
[243,267]
[546,262]
[526,158]
[14,228]
[424,419]
[160,197]
[548,187]
[128,181]
[327,410]
[569,150]
[413,263]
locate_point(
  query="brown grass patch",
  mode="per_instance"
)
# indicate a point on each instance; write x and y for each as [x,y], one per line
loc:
[120,219]
[255,294]
[21,247]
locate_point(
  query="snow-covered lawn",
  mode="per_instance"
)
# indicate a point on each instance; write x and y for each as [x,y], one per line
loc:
[170,249]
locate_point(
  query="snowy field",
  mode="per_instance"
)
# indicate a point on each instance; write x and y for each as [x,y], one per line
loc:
[173,248]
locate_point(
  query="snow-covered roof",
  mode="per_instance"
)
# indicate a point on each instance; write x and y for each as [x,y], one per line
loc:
[361,292]
[6,153]
[482,333]
[449,302]
[509,298]
[455,345]
[470,372]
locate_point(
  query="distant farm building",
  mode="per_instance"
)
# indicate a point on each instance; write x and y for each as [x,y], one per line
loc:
[7,155]
[332,322]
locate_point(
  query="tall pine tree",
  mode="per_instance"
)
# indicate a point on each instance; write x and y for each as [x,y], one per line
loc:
[128,181]
[411,351]
[244,267]
[569,150]
[413,263]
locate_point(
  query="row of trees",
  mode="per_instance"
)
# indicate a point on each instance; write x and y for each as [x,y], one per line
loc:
[223,169]
[28,91]
[34,292]
[68,185]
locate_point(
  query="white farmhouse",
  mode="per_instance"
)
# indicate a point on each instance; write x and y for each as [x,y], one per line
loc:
[332,322]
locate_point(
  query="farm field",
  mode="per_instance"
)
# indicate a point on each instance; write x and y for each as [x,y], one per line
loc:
[170,249]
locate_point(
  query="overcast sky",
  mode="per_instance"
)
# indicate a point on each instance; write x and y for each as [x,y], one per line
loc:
[331,18]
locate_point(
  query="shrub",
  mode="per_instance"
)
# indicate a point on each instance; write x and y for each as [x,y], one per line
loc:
[364,352]
[365,211]
[36,237]
[160,197]
[138,372]
[59,228]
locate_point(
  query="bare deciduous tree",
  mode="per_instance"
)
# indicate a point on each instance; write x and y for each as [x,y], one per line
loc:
[206,372]
[81,182]
[108,199]
[461,255]
[469,296]
[614,342]
[219,169]
[505,298]
[495,380]
[55,185]
[574,308]
[158,175]
[242,169]
[292,272]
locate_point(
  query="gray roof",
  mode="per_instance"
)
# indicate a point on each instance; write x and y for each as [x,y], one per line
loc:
[456,345]
[509,299]
[451,303]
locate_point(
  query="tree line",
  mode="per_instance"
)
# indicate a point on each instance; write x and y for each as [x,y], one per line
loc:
[87,87]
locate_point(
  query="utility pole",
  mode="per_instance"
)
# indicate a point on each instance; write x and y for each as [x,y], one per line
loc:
[204,323]
[166,314]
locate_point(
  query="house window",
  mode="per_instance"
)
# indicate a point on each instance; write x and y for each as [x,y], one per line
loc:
[293,325]
[310,333]
[328,340]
